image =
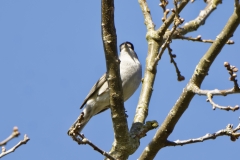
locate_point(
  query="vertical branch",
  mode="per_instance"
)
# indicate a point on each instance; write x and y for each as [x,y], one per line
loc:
[155,40]
[147,15]
[109,38]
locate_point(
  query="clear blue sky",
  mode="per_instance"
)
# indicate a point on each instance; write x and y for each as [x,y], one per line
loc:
[51,54]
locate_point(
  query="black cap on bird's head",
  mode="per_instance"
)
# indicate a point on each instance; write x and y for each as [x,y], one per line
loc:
[128,44]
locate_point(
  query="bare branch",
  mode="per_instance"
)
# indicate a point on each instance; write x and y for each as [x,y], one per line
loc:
[184,100]
[209,95]
[172,56]
[199,39]
[81,139]
[229,131]
[147,15]
[24,141]
[200,20]
[154,43]
[163,47]
[161,31]
[14,134]
[216,92]
[96,148]
[163,4]
[120,145]
[232,71]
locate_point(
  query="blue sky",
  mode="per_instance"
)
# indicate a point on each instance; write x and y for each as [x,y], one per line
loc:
[51,54]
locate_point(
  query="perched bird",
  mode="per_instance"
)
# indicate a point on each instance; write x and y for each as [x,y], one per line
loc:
[97,100]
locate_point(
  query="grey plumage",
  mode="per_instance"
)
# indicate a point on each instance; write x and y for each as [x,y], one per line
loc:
[131,73]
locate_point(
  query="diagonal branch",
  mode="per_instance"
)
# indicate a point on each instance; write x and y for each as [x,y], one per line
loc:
[84,140]
[163,47]
[14,134]
[200,20]
[169,20]
[24,141]
[81,139]
[229,131]
[199,39]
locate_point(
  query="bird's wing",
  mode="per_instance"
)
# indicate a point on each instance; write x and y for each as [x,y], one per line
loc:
[103,110]
[96,86]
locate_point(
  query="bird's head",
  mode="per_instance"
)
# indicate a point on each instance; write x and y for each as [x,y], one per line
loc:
[127,48]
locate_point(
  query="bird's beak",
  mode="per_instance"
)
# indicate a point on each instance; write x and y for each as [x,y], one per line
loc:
[126,47]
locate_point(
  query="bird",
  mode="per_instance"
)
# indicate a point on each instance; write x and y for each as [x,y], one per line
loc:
[97,99]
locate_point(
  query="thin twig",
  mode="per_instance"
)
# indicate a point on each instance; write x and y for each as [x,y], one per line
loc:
[199,39]
[229,131]
[199,20]
[14,134]
[214,105]
[177,22]
[210,93]
[164,46]
[96,148]
[163,4]
[172,56]
[74,133]
[24,141]
[215,92]
[232,71]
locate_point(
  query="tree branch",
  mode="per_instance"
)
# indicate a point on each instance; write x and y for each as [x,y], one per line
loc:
[84,140]
[120,125]
[155,41]
[147,15]
[161,31]
[211,93]
[199,39]
[172,56]
[229,131]
[14,134]
[182,103]
[4,152]
[200,20]
[218,106]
